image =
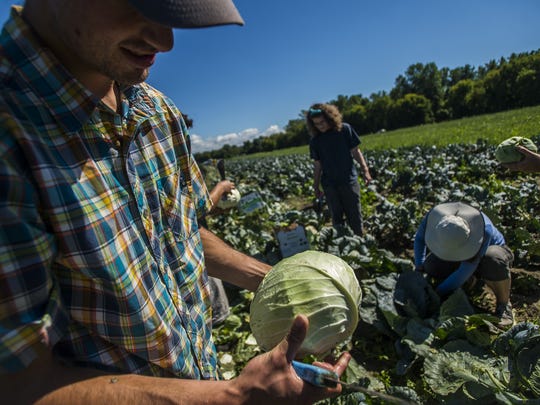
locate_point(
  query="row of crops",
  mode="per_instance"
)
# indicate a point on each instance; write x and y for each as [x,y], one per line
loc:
[423,351]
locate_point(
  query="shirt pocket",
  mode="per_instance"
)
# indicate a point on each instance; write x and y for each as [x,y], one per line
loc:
[178,206]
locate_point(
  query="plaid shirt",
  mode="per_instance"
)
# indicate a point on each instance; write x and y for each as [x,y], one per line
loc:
[100,254]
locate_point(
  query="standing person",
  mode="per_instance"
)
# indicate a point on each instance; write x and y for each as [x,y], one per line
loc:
[103,287]
[464,244]
[530,162]
[334,148]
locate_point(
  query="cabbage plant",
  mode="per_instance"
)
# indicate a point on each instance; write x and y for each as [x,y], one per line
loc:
[319,285]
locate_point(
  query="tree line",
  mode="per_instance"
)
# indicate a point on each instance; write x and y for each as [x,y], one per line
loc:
[424,94]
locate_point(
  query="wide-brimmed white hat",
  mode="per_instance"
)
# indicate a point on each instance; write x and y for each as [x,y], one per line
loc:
[454,231]
[189,13]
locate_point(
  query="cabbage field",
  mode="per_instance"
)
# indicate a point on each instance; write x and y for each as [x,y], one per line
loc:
[407,344]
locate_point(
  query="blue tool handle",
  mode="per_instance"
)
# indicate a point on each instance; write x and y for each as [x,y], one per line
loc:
[314,375]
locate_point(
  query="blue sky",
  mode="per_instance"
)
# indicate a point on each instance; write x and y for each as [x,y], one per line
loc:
[238,83]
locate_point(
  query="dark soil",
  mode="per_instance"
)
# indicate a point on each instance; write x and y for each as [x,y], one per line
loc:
[525,295]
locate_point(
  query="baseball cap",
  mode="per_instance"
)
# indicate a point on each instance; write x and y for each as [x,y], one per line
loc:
[189,13]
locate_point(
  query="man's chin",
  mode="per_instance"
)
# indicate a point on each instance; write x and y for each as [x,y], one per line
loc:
[132,78]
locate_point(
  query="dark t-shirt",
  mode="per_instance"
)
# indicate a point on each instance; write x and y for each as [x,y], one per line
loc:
[333,150]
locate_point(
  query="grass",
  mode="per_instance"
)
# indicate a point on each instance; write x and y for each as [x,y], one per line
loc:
[492,127]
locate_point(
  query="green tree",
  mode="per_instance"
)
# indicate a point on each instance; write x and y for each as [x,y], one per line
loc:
[486,68]
[526,79]
[357,117]
[377,112]
[457,98]
[528,87]
[476,99]
[426,80]
[297,132]
[460,73]
[344,103]
[227,151]
[269,142]
[412,109]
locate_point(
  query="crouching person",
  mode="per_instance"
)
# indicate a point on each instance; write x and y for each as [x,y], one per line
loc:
[454,243]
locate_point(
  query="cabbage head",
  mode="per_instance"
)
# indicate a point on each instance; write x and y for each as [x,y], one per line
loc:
[229,200]
[319,285]
[506,151]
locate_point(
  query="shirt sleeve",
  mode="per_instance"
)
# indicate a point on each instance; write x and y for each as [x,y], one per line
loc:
[457,278]
[354,139]
[201,195]
[465,269]
[31,313]
[496,237]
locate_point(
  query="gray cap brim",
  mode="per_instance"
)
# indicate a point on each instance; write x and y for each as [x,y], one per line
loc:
[189,13]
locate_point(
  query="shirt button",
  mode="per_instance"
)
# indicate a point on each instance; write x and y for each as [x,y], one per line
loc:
[162,269]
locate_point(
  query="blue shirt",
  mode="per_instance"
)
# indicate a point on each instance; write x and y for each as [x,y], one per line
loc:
[492,236]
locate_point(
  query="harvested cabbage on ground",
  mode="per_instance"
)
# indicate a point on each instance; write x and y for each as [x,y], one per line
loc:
[506,151]
[319,285]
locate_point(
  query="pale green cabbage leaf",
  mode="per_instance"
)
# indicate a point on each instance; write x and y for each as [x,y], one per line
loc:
[229,200]
[506,151]
[319,285]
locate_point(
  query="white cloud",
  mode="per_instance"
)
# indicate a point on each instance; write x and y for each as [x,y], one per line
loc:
[231,138]
[203,144]
[272,129]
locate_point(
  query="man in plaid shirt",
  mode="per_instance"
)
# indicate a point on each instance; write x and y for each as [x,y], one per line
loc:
[103,280]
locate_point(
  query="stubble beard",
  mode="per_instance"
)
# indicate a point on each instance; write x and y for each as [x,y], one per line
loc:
[115,71]
[113,64]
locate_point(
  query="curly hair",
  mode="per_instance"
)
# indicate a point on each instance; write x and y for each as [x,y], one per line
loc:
[329,112]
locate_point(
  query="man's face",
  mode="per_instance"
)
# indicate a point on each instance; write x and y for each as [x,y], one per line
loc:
[107,39]
[320,123]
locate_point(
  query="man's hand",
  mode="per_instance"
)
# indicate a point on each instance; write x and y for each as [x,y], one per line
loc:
[530,163]
[318,192]
[366,176]
[222,188]
[225,186]
[271,379]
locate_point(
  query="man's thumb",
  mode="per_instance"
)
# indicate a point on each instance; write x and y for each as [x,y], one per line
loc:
[294,339]
[524,150]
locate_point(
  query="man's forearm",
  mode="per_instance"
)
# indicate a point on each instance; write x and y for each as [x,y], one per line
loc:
[135,389]
[359,157]
[46,381]
[228,264]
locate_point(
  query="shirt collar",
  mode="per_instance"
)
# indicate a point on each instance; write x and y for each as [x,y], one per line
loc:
[34,66]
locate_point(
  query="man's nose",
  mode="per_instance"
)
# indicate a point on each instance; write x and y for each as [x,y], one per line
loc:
[160,37]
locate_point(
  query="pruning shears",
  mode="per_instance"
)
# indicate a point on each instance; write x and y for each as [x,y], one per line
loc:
[321,377]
